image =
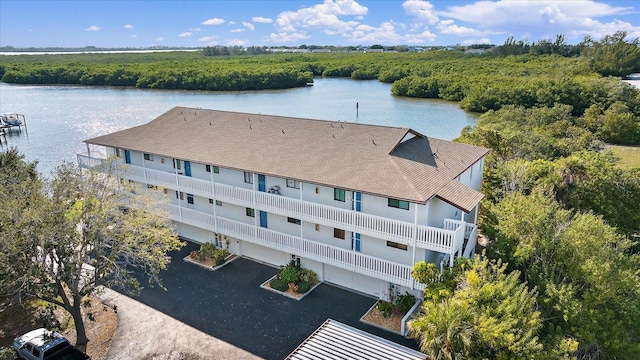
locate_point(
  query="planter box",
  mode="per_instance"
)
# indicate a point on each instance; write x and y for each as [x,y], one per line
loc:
[228,259]
[292,295]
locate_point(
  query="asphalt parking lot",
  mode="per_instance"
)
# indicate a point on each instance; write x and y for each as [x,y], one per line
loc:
[229,305]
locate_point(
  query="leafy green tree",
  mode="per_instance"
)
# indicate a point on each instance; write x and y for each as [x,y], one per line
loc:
[585,271]
[614,55]
[488,313]
[77,232]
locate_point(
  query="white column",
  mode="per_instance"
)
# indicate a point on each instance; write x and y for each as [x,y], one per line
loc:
[415,238]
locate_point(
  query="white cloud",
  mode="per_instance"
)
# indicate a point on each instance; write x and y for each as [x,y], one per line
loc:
[93,28]
[134,36]
[248,25]
[421,10]
[231,23]
[159,39]
[237,30]
[260,19]
[195,29]
[237,42]
[546,18]
[208,39]
[284,37]
[476,41]
[186,34]
[383,34]
[326,16]
[128,26]
[420,38]
[213,21]
[448,27]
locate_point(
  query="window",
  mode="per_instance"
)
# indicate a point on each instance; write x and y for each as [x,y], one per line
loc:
[208,168]
[118,153]
[177,164]
[248,177]
[190,198]
[179,195]
[400,204]
[211,201]
[294,221]
[338,233]
[251,212]
[338,194]
[216,170]
[293,184]
[218,203]
[396,245]
[148,157]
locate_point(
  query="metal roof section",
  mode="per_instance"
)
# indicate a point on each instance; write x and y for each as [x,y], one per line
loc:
[391,162]
[335,340]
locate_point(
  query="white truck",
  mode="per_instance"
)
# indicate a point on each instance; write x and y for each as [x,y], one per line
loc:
[43,344]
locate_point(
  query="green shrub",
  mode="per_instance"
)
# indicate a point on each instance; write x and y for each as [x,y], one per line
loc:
[220,256]
[207,251]
[308,276]
[303,286]
[290,274]
[405,302]
[279,284]
[385,308]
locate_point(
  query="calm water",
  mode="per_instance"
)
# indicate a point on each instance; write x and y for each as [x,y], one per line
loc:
[59,118]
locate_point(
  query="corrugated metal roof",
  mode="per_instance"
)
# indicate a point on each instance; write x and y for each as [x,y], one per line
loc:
[385,161]
[335,340]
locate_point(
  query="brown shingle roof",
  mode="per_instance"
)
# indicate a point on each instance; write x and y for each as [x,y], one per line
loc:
[367,158]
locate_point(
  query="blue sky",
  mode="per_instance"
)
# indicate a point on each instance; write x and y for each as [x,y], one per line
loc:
[198,23]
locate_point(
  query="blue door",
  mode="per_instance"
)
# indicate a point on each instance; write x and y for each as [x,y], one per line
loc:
[127,157]
[187,168]
[263,219]
[262,184]
[355,242]
[356,202]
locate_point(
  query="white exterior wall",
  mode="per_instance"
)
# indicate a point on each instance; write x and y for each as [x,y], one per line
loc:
[440,210]
[263,254]
[377,205]
[353,281]
[378,248]
[324,195]
[194,233]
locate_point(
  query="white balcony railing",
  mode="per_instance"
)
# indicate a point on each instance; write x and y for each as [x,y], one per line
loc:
[342,258]
[445,240]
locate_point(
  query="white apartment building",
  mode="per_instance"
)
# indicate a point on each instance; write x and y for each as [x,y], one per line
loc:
[358,204]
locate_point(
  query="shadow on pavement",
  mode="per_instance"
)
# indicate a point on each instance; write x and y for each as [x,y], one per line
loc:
[230,305]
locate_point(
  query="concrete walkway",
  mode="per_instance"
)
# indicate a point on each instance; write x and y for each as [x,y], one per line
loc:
[145,333]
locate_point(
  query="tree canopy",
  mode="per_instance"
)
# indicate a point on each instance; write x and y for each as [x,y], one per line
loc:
[61,239]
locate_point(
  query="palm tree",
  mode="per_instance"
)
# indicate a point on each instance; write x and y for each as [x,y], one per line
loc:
[444,329]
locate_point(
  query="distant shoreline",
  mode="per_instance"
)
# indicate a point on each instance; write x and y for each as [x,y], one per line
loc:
[142,51]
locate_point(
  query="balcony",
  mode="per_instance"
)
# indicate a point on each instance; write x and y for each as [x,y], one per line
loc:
[327,254]
[449,239]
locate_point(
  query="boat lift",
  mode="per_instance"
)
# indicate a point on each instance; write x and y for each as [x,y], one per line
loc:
[10,122]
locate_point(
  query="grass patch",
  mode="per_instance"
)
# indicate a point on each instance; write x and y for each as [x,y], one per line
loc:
[629,155]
